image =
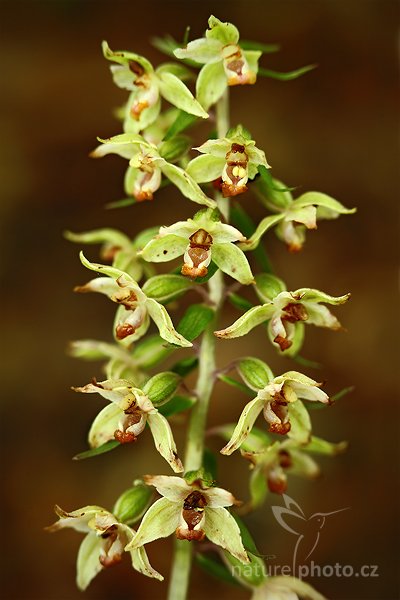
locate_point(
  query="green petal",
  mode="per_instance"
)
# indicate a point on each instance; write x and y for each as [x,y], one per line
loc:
[164,248]
[165,326]
[104,425]
[244,425]
[258,488]
[217,148]
[185,183]
[321,316]
[164,440]
[320,446]
[303,465]
[176,92]
[140,562]
[221,528]
[232,261]
[311,295]
[202,51]
[332,207]
[160,521]
[121,57]
[205,168]
[211,84]
[226,33]
[262,228]
[253,317]
[125,145]
[252,57]
[300,422]
[88,564]
[100,236]
[106,270]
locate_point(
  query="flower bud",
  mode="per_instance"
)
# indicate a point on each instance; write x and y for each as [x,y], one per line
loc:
[133,503]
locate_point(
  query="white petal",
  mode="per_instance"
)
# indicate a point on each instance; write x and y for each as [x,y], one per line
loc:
[174,488]
[161,519]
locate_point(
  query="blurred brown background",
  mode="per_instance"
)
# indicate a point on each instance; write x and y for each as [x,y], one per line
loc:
[332,130]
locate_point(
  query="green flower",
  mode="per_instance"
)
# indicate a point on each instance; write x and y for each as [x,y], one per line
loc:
[234,159]
[200,240]
[126,417]
[282,409]
[147,86]
[132,319]
[191,511]
[146,167]
[225,63]
[293,217]
[283,587]
[104,544]
[286,312]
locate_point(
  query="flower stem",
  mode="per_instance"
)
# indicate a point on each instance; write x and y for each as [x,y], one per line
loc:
[182,562]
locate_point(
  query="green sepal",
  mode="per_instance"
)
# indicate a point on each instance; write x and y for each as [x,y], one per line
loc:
[110,445]
[214,567]
[176,92]
[176,405]
[289,75]
[300,430]
[133,503]
[258,488]
[174,148]
[165,288]
[319,446]
[252,574]
[185,366]
[255,373]
[268,286]
[256,441]
[162,387]
[211,84]
[194,321]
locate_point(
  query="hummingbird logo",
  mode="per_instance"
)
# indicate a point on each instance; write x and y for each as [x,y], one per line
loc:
[307,529]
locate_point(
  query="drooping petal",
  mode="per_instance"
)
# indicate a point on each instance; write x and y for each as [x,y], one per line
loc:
[164,440]
[211,84]
[205,168]
[139,558]
[231,260]
[125,145]
[185,183]
[244,425]
[165,326]
[221,528]
[88,564]
[176,92]
[161,519]
[104,425]
[174,488]
[102,285]
[253,317]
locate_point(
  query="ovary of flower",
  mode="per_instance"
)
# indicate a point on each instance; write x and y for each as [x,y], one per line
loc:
[192,512]
[104,543]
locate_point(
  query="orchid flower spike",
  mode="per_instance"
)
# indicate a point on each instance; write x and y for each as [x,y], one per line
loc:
[201,240]
[104,543]
[225,63]
[133,315]
[192,511]
[233,160]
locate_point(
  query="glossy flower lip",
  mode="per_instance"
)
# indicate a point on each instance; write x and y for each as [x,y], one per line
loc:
[192,512]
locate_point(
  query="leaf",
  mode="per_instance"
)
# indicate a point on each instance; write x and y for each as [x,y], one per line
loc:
[176,405]
[176,92]
[215,568]
[96,451]
[194,321]
[288,76]
[343,392]
[121,203]
[185,366]
[255,373]
[239,302]
[305,362]
[245,224]
[183,121]
[234,383]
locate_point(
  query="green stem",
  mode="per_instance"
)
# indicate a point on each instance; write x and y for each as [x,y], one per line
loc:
[182,562]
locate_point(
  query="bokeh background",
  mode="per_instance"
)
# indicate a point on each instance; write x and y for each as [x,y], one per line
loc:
[332,130]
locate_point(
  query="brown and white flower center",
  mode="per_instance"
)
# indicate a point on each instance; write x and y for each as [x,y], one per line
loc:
[198,254]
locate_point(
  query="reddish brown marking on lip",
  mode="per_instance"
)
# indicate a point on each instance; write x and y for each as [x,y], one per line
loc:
[294,312]
[283,342]
[123,437]
[281,428]
[122,331]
